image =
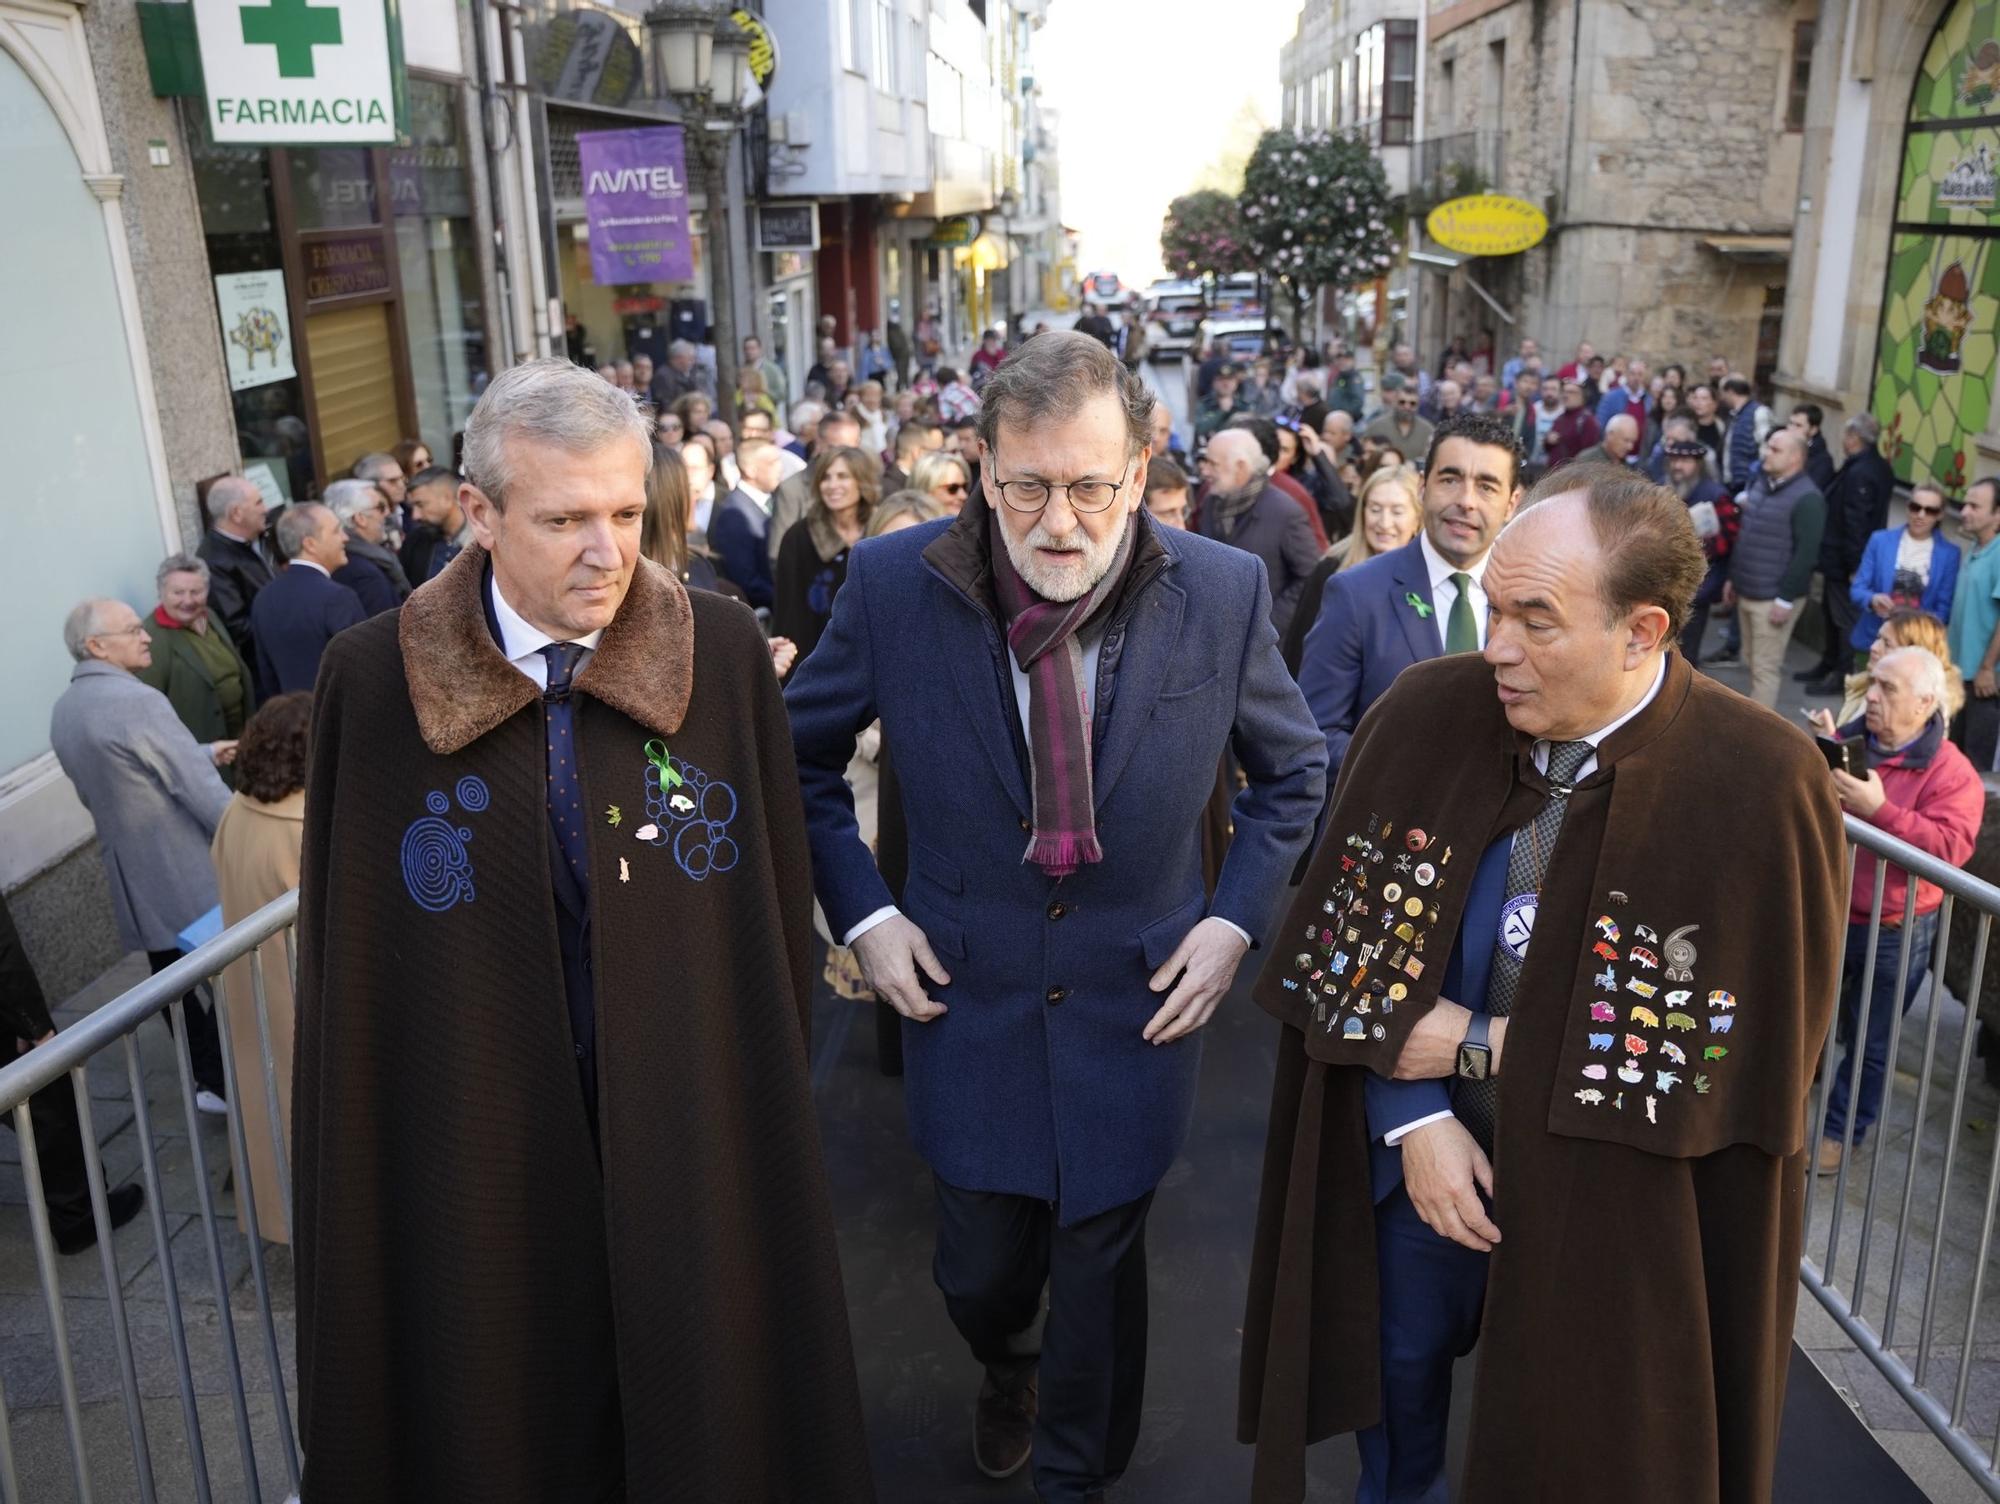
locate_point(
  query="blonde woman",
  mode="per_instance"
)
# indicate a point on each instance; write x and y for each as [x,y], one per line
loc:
[945,478]
[906,508]
[1387,514]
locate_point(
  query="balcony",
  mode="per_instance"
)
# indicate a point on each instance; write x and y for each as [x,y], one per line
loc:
[1449,167]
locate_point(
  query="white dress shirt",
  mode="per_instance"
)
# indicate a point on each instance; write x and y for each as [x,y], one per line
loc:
[521,641]
[1444,593]
[1092,643]
[1540,753]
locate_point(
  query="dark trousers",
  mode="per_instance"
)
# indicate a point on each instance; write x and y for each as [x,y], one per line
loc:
[1432,1293]
[1977,729]
[994,1255]
[1882,1013]
[59,1152]
[1838,613]
[1705,597]
[204,1044]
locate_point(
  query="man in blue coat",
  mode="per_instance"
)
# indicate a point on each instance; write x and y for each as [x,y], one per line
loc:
[1424,599]
[296,615]
[1059,678]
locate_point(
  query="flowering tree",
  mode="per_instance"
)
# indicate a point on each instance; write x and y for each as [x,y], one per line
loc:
[1316,212]
[1202,236]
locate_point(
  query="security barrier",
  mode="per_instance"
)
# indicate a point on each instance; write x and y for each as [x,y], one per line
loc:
[1915,1232]
[70,1052]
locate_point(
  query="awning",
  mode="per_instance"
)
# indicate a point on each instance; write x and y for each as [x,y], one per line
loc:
[1444,261]
[1751,247]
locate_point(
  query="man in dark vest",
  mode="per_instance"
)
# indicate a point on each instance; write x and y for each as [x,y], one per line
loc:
[1512,913]
[557,1157]
[1771,566]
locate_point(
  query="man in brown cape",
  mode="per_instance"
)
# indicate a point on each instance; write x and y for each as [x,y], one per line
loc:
[562,1227]
[1609,1200]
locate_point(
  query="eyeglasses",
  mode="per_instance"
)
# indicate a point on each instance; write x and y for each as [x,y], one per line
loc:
[1920,511]
[1083,495]
[957,488]
[135,630]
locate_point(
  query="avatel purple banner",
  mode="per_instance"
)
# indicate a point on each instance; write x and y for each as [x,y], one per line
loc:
[635,195]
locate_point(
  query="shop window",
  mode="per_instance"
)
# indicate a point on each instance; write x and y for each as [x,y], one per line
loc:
[333,188]
[1804,33]
[444,315]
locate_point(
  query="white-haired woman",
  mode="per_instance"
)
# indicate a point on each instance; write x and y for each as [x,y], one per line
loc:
[195,663]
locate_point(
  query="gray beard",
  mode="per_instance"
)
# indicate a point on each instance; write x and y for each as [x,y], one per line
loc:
[1684,488]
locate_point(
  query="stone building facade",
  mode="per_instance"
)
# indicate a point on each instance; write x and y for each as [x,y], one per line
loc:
[1662,141]
[1893,303]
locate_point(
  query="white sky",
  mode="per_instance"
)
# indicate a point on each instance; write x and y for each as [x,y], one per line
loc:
[1146,90]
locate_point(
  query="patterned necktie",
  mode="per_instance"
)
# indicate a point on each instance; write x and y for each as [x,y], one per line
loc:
[1476,1102]
[1462,631]
[565,791]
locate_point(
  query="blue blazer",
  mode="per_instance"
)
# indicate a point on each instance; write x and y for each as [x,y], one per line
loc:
[1367,632]
[1037,1082]
[1392,1103]
[1877,575]
[737,533]
[293,619]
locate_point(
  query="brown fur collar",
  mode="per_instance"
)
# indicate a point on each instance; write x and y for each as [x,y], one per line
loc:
[461,687]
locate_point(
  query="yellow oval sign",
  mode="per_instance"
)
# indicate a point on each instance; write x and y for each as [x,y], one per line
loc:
[1487,224]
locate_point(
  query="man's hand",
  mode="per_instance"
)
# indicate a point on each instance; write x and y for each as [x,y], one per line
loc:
[1444,1170]
[784,653]
[1881,605]
[1205,961]
[223,753]
[890,955]
[1984,685]
[1309,441]
[1728,592]
[1862,796]
[1781,612]
[1432,1047]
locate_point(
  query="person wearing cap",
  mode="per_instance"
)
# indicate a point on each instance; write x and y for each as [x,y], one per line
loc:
[1220,405]
[1398,424]
[1690,475]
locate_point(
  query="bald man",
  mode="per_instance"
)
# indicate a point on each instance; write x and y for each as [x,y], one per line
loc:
[1773,560]
[1621,437]
[233,550]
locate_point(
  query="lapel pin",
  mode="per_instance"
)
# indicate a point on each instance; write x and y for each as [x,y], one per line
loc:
[1421,606]
[624,872]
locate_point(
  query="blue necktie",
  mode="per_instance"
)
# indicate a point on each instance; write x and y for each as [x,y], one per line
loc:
[565,791]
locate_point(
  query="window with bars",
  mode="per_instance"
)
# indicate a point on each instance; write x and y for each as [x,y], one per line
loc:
[1804,34]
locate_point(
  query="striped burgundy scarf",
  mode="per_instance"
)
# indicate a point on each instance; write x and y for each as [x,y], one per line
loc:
[1042,635]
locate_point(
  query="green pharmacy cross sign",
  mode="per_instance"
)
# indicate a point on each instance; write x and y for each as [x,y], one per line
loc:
[294,28]
[302,72]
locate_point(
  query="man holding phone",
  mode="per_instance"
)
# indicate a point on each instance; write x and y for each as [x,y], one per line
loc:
[1918,787]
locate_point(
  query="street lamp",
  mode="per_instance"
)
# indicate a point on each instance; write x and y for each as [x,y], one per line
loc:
[703,59]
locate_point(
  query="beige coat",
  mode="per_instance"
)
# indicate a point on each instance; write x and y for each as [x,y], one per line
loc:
[256,855]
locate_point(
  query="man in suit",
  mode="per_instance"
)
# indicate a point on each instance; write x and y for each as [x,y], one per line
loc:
[297,614]
[1083,671]
[233,550]
[741,523]
[372,570]
[1425,598]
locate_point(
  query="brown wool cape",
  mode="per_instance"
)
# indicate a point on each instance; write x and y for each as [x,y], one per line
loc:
[1649,1164]
[484,1313]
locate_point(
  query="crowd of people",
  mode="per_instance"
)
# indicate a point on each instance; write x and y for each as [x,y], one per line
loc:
[1051,507]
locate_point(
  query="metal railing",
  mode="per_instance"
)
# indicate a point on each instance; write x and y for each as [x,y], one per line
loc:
[70,1053]
[1911,1374]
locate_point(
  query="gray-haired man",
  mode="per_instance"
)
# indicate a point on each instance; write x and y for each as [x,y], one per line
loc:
[372,571]
[549,794]
[298,613]
[679,376]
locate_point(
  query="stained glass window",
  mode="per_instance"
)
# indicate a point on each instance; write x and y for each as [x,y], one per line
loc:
[1936,350]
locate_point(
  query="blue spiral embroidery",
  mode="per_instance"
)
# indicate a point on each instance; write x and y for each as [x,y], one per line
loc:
[437,870]
[693,819]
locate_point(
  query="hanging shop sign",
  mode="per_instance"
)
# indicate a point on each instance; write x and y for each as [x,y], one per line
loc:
[635,198]
[587,57]
[763,53]
[788,227]
[301,72]
[955,230]
[256,328]
[1487,224]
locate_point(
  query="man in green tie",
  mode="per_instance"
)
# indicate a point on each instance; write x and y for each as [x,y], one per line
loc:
[1424,599]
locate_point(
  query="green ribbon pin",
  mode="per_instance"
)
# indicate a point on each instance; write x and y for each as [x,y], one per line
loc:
[1423,606]
[656,754]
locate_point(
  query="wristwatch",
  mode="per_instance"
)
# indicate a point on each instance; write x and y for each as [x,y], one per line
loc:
[1475,1055]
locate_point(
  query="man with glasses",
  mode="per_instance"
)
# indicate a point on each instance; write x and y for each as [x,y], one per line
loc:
[1397,424]
[372,570]
[1059,676]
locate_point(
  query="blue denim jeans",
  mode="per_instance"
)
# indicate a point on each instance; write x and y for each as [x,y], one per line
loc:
[1881,1015]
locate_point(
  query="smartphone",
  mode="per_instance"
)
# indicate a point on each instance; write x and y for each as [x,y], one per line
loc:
[1849,755]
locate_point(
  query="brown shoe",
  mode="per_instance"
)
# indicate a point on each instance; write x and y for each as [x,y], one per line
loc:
[1003,1423]
[1830,1155]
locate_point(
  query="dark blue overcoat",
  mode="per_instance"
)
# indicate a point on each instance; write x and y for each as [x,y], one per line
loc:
[1036,1082]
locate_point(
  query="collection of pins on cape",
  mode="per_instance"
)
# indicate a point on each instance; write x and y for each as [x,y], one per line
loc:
[1380,887]
[1653,1017]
